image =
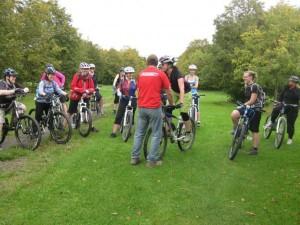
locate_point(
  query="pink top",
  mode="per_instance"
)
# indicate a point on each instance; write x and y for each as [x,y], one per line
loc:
[59,78]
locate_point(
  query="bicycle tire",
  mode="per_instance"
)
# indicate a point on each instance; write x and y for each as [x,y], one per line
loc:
[280,132]
[88,121]
[34,132]
[267,130]
[56,127]
[181,130]
[237,141]
[126,130]
[162,146]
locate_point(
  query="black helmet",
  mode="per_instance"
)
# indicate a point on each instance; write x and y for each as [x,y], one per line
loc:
[167,59]
[50,69]
[9,72]
[294,79]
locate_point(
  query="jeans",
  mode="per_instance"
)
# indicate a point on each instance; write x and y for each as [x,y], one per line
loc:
[148,118]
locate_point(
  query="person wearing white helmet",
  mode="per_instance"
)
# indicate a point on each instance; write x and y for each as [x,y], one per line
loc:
[125,89]
[193,80]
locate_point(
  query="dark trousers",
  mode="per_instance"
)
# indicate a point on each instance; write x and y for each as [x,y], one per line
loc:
[122,108]
[40,108]
[291,115]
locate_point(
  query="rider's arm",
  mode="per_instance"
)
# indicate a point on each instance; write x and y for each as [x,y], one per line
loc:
[7,92]
[74,85]
[181,89]
[41,89]
[58,90]
[169,96]
[252,99]
[91,86]
[115,80]
[197,82]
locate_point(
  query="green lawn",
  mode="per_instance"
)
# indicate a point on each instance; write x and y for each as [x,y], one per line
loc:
[90,181]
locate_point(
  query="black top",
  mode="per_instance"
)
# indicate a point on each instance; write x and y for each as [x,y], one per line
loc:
[290,96]
[249,90]
[6,100]
[174,77]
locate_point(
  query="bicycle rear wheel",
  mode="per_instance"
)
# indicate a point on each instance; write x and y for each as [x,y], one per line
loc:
[267,130]
[162,145]
[28,133]
[280,132]
[126,128]
[237,141]
[85,122]
[60,128]
[187,142]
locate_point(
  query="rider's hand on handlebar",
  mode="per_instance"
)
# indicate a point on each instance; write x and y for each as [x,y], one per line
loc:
[26,90]
[87,92]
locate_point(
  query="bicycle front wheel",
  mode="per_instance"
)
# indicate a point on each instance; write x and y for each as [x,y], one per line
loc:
[127,125]
[193,113]
[186,139]
[280,132]
[60,128]
[28,133]
[237,141]
[162,144]
[85,122]
[267,129]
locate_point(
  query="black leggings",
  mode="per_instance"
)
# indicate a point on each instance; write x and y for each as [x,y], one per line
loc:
[122,108]
[291,115]
[40,108]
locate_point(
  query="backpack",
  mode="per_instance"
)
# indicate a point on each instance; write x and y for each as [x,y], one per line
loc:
[261,96]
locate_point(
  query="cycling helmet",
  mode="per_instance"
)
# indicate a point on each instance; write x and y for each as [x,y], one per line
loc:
[50,70]
[129,69]
[294,79]
[167,59]
[92,65]
[9,72]
[84,65]
[193,67]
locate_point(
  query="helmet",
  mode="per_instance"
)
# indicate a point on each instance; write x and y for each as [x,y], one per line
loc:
[9,72]
[294,79]
[129,69]
[92,65]
[167,59]
[193,67]
[84,65]
[50,70]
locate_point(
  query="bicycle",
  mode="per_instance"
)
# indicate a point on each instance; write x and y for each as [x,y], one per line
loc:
[82,120]
[127,121]
[241,130]
[279,126]
[27,130]
[56,121]
[94,104]
[194,108]
[173,133]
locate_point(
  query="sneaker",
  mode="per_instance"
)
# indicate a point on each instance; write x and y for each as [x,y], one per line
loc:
[253,152]
[135,161]
[113,135]
[151,164]
[290,141]
[94,129]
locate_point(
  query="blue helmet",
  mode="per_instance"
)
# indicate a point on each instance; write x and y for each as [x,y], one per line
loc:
[9,72]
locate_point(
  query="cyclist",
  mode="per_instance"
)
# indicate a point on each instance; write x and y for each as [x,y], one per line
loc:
[193,80]
[46,88]
[179,87]
[82,85]
[8,89]
[151,83]
[116,82]
[99,98]
[252,99]
[60,79]
[289,95]
[126,88]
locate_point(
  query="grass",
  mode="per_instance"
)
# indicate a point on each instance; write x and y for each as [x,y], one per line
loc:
[90,181]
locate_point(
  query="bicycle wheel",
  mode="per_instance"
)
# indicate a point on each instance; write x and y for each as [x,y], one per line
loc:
[28,133]
[60,128]
[85,122]
[126,128]
[193,113]
[4,132]
[267,130]
[162,145]
[187,142]
[280,132]
[237,141]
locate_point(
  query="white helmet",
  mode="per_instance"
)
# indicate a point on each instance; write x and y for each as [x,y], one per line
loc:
[193,67]
[92,65]
[129,69]
[84,65]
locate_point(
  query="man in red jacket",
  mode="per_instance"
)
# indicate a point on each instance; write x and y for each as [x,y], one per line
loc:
[82,85]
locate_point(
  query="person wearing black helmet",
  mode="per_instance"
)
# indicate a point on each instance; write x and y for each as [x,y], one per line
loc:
[289,95]
[8,89]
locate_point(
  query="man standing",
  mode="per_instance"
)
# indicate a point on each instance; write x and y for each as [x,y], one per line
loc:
[150,83]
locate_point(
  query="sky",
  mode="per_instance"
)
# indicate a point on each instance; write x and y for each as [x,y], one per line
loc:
[162,27]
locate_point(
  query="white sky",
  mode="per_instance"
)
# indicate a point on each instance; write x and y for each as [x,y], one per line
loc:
[151,26]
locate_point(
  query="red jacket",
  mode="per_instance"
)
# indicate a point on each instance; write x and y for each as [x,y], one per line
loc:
[79,86]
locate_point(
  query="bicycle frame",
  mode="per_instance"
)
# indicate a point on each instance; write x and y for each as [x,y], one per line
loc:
[167,123]
[82,105]
[129,108]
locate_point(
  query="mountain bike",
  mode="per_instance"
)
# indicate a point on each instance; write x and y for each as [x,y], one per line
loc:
[56,121]
[27,130]
[279,126]
[241,130]
[194,108]
[127,121]
[83,120]
[179,134]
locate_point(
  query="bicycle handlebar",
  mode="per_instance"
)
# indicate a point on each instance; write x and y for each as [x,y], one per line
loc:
[284,104]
